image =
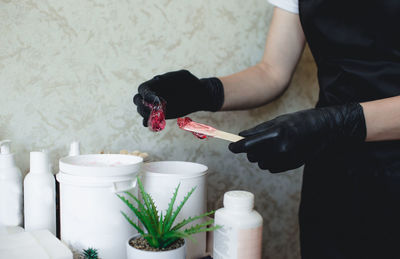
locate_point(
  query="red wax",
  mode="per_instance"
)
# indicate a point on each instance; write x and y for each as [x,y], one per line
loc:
[189,125]
[156,120]
[199,135]
[182,122]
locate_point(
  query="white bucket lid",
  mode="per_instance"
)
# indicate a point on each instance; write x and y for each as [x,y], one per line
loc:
[104,165]
[180,169]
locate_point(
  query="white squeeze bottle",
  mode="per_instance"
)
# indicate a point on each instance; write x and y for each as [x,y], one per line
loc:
[241,233]
[10,188]
[39,195]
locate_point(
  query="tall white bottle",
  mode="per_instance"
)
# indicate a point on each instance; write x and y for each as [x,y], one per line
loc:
[241,233]
[10,188]
[40,195]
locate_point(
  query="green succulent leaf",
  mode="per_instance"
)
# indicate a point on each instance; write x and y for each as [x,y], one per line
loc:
[190,220]
[168,215]
[150,210]
[141,216]
[202,225]
[179,208]
[140,231]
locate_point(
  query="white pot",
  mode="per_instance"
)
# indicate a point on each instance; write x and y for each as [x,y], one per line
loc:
[133,253]
[160,180]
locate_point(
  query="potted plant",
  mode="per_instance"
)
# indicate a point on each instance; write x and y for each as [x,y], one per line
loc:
[161,238]
[90,253]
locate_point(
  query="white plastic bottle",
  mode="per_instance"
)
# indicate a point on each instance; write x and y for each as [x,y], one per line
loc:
[39,195]
[241,233]
[10,188]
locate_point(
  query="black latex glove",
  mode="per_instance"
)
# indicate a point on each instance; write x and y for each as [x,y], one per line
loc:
[183,93]
[290,140]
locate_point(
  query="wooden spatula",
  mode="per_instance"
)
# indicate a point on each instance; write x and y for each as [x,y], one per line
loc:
[202,130]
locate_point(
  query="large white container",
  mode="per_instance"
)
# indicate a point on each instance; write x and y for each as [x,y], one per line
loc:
[40,195]
[241,232]
[10,188]
[160,180]
[90,211]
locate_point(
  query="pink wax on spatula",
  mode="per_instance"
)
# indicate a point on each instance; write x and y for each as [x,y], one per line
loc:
[203,131]
[156,120]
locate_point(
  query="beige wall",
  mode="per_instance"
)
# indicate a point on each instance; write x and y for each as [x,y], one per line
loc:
[69,69]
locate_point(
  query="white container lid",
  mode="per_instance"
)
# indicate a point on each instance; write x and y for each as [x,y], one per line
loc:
[33,244]
[105,165]
[239,200]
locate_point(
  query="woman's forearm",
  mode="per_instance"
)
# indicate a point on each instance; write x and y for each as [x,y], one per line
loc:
[250,88]
[382,119]
[265,81]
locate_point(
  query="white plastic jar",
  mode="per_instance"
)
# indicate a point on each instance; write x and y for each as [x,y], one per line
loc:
[90,211]
[241,232]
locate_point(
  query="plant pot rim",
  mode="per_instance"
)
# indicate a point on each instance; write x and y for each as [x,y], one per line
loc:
[145,251]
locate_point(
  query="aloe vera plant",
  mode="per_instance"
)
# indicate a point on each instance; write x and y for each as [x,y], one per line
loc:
[90,253]
[160,230]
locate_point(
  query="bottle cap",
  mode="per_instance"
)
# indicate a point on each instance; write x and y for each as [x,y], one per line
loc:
[39,162]
[6,157]
[74,149]
[239,200]
[5,147]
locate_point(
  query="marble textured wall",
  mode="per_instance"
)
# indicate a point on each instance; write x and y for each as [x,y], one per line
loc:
[69,69]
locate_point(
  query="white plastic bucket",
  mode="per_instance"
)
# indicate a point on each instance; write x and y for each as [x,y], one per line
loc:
[160,180]
[90,211]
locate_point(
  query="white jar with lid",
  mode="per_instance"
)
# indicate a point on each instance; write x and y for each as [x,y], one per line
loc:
[241,232]
[90,210]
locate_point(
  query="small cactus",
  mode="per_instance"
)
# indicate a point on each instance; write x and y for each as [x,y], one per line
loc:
[90,253]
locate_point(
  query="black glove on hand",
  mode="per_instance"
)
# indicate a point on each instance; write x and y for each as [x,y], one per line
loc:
[183,93]
[290,140]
